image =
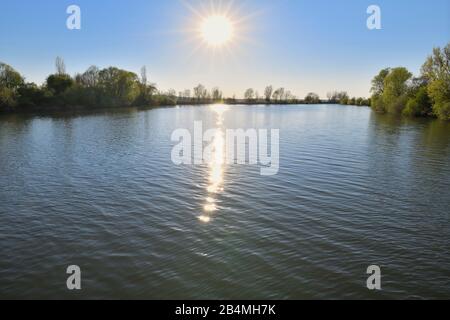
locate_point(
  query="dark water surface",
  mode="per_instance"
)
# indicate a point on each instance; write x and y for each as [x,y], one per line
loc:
[100,191]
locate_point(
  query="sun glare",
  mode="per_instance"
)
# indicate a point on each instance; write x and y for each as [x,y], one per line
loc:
[216,30]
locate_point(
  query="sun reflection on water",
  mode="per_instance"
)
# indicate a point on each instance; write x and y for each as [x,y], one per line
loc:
[216,165]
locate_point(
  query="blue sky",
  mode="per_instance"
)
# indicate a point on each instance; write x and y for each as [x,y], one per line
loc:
[302,45]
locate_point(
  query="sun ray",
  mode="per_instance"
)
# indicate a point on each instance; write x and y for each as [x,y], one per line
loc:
[191,8]
[229,7]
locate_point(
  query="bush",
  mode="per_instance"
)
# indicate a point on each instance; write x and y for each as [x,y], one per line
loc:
[163,100]
[8,99]
[31,96]
[419,105]
[442,110]
[59,83]
[377,104]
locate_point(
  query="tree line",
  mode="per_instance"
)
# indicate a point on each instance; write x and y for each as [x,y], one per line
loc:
[114,87]
[397,91]
[108,87]
[394,90]
[283,96]
[341,97]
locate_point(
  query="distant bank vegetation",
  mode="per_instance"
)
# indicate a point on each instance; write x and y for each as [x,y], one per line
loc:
[113,87]
[393,91]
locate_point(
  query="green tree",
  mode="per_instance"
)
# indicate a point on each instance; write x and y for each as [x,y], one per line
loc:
[32,96]
[419,104]
[436,70]
[390,90]
[59,83]
[395,93]
[10,82]
[378,82]
[377,90]
[118,87]
[9,78]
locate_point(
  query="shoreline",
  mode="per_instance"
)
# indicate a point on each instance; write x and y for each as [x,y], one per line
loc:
[75,109]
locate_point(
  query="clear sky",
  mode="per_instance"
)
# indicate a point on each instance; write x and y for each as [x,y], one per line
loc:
[302,45]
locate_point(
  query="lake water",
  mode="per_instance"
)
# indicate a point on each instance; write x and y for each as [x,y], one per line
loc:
[100,191]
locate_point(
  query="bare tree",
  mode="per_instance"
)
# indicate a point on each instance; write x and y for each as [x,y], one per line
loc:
[60,66]
[278,94]
[282,96]
[90,77]
[200,92]
[289,96]
[144,76]
[337,96]
[268,93]
[172,93]
[147,89]
[249,94]
[216,94]
[331,96]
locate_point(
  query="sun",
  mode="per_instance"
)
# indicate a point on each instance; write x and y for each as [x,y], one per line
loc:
[216,30]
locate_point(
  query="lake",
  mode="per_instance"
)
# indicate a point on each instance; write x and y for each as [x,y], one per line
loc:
[99,190]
